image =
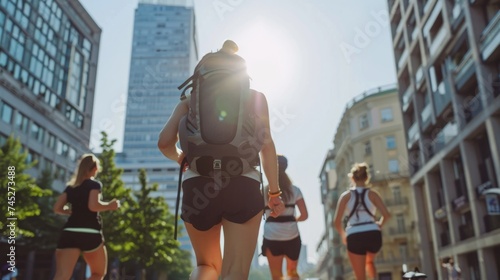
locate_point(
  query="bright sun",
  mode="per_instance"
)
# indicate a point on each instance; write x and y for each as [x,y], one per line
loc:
[270,55]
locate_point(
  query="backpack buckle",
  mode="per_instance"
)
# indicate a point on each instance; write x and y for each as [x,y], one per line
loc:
[217,164]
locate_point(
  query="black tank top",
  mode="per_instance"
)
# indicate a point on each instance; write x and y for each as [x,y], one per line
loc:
[81,216]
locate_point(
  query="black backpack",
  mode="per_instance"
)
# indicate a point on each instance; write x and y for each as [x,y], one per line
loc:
[221,135]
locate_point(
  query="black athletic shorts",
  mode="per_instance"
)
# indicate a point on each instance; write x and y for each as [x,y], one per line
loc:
[289,248]
[84,241]
[204,204]
[362,242]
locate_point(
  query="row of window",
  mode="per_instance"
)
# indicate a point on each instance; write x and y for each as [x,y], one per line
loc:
[386,115]
[42,62]
[390,144]
[41,163]
[24,125]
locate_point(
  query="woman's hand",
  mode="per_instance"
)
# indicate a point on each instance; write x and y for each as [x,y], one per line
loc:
[276,205]
[180,158]
[114,204]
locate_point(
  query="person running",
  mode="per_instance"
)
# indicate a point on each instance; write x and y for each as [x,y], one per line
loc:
[236,207]
[281,234]
[82,233]
[363,232]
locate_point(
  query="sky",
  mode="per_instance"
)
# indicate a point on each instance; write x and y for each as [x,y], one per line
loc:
[309,58]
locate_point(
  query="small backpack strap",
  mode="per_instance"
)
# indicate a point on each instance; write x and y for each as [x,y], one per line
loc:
[364,203]
[354,208]
[177,201]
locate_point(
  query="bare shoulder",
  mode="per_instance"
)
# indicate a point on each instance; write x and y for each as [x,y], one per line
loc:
[345,195]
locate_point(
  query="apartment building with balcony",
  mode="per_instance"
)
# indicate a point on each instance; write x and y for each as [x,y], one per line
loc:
[371,131]
[447,57]
[330,263]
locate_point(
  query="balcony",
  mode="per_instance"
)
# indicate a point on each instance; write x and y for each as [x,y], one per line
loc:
[407,97]
[442,138]
[465,231]
[490,38]
[460,202]
[403,58]
[442,97]
[419,76]
[396,202]
[491,222]
[464,70]
[426,116]
[440,214]
[482,187]
[437,41]
[413,134]
[399,233]
[444,238]
[472,108]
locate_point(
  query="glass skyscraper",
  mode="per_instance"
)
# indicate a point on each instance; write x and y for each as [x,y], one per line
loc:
[48,60]
[164,53]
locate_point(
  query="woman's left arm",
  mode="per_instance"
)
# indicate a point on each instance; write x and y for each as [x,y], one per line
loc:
[301,204]
[61,201]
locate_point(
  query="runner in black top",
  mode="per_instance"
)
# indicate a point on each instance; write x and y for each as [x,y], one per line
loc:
[81,200]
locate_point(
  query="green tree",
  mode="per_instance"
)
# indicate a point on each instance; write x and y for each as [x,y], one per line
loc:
[47,223]
[152,229]
[17,189]
[115,223]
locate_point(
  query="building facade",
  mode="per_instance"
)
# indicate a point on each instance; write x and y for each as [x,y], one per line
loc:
[371,131]
[48,64]
[447,57]
[164,53]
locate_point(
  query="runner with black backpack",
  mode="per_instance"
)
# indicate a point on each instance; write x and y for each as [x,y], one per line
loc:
[224,134]
[362,233]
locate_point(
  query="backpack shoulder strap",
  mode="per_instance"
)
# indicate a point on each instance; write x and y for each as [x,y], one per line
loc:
[177,200]
[364,203]
[355,203]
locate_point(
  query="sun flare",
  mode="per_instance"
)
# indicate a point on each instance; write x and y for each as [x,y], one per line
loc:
[270,55]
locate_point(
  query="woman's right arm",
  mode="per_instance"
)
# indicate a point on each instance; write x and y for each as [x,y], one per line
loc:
[268,156]
[168,137]
[97,205]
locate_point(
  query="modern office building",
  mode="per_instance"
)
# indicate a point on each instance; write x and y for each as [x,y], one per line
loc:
[164,53]
[371,131]
[447,57]
[48,64]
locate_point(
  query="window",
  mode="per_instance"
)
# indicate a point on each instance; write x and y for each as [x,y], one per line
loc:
[21,122]
[400,220]
[37,132]
[403,251]
[62,148]
[396,193]
[390,142]
[364,122]
[6,113]
[393,166]
[51,141]
[386,114]
[368,148]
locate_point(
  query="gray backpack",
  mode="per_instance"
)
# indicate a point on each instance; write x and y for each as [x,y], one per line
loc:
[220,133]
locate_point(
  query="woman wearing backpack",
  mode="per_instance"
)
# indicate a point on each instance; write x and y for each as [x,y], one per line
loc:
[281,234]
[362,234]
[236,205]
